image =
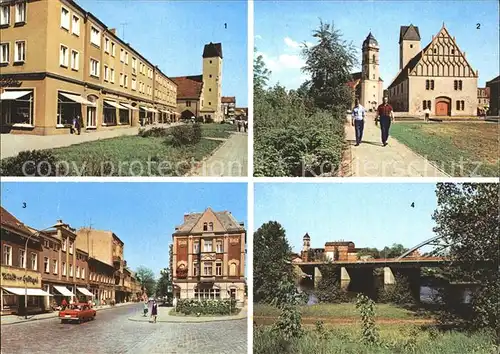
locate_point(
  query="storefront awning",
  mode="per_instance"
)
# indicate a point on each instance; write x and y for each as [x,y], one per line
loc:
[13,95]
[148,109]
[31,291]
[77,99]
[154,110]
[164,111]
[63,290]
[85,292]
[113,104]
[126,105]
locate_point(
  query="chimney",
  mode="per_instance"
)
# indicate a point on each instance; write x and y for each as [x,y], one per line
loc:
[113,30]
[186,216]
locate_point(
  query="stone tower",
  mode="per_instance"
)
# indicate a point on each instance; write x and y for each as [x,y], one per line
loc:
[370,86]
[306,246]
[409,44]
[212,82]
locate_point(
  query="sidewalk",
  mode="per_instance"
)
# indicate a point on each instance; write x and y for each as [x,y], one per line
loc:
[371,159]
[13,319]
[13,144]
[163,316]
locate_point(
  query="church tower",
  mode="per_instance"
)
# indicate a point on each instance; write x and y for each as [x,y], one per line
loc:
[370,75]
[306,246]
[212,82]
[409,44]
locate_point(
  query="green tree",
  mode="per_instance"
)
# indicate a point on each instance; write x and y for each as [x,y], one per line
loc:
[146,278]
[164,283]
[467,218]
[272,265]
[394,251]
[329,289]
[330,63]
[260,73]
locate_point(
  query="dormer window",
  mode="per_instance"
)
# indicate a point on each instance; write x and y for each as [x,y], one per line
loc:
[205,226]
[211,226]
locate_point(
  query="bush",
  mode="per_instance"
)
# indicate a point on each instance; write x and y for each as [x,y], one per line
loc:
[155,132]
[209,120]
[206,307]
[185,135]
[329,289]
[32,163]
[398,293]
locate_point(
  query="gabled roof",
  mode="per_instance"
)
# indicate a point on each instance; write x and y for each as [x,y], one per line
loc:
[188,86]
[409,33]
[10,221]
[413,62]
[227,220]
[212,50]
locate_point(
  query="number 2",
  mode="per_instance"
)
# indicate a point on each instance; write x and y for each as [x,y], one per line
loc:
[478,26]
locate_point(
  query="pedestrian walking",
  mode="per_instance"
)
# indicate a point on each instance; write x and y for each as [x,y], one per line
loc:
[78,125]
[358,121]
[64,304]
[385,116]
[154,311]
[145,308]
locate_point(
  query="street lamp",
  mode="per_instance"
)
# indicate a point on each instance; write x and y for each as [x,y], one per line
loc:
[26,268]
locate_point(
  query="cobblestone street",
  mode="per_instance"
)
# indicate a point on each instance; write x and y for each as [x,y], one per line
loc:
[112,332]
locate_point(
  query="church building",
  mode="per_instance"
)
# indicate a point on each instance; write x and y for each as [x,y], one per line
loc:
[367,84]
[438,78]
[200,95]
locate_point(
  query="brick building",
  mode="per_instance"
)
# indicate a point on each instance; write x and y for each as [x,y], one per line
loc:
[209,257]
[333,251]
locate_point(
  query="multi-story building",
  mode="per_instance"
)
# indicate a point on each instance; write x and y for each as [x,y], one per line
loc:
[494,88]
[200,95]
[65,267]
[60,63]
[343,251]
[20,268]
[105,250]
[209,257]
[228,107]
[483,100]
[438,77]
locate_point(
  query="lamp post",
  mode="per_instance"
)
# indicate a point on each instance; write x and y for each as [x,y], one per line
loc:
[26,268]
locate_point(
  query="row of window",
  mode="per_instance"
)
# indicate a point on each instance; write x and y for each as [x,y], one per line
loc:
[460,105]
[19,52]
[208,247]
[429,84]
[100,278]
[427,104]
[457,85]
[8,258]
[19,10]
[208,269]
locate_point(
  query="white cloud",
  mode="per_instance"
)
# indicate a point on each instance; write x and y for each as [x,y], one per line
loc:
[285,69]
[258,36]
[291,43]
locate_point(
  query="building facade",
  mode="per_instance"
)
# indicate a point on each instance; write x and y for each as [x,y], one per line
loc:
[483,100]
[200,95]
[494,88]
[60,63]
[20,269]
[209,257]
[228,107]
[438,77]
[343,251]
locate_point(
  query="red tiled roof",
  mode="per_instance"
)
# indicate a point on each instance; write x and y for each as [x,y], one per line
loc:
[9,220]
[188,86]
[230,99]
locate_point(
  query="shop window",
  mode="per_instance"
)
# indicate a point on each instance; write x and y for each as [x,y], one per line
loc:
[109,115]
[67,110]
[124,116]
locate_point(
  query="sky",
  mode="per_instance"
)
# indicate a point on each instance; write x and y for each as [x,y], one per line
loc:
[142,215]
[171,34]
[281,26]
[370,215]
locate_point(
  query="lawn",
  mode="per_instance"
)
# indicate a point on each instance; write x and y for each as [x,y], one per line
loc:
[462,149]
[139,156]
[336,311]
[172,312]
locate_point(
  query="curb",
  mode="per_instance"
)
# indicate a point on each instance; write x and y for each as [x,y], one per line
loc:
[222,319]
[48,318]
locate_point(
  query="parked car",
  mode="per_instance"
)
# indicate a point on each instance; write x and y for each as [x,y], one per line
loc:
[77,313]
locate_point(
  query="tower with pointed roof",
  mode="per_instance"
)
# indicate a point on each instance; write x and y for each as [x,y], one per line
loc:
[211,104]
[371,85]
[409,44]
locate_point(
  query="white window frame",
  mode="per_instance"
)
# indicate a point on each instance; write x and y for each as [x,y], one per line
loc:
[63,59]
[126,58]
[65,22]
[112,75]
[54,268]
[218,266]
[5,20]
[134,84]
[71,269]
[113,49]
[83,273]
[122,55]
[46,264]
[2,51]
[221,249]
[17,7]
[64,245]
[96,73]
[7,251]
[71,247]
[121,79]
[106,44]
[206,243]
[125,81]
[95,39]
[134,65]
[77,272]
[22,263]
[73,61]
[34,265]
[16,52]
[77,31]
[106,73]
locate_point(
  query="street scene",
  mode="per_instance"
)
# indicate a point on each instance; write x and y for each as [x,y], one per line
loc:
[114,100]
[166,278]
[411,269]
[410,95]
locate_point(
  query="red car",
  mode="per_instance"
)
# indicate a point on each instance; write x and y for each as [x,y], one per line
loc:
[78,313]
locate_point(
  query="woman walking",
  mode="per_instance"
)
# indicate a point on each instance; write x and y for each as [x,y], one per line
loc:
[154,311]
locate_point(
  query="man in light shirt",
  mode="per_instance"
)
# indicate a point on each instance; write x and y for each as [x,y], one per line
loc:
[358,120]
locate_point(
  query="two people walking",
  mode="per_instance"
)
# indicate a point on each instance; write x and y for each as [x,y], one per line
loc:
[154,310]
[384,115]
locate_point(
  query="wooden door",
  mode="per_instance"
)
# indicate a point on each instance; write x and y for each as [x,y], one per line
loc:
[442,108]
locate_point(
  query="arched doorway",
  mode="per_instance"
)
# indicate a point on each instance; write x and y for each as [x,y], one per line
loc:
[187,114]
[443,106]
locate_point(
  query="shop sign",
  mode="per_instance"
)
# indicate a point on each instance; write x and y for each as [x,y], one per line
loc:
[24,278]
[9,82]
